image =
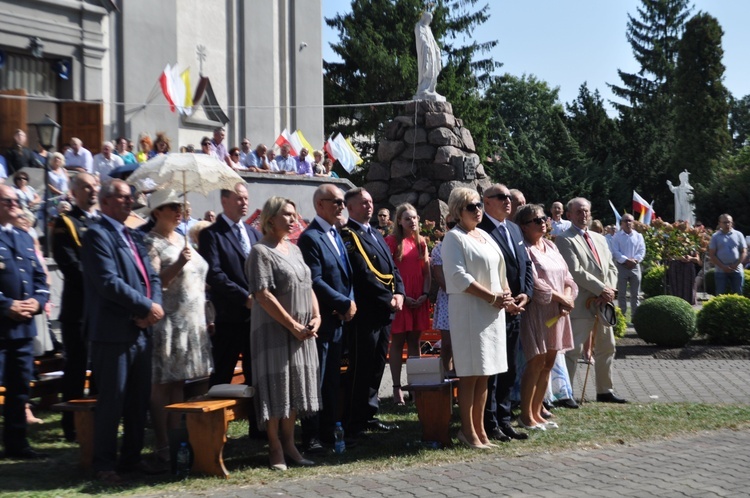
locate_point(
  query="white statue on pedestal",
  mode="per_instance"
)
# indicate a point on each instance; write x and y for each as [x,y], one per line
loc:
[683,199]
[429,61]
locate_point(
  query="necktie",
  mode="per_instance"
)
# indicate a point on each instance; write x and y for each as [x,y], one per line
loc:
[591,246]
[243,243]
[504,234]
[340,246]
[138,261]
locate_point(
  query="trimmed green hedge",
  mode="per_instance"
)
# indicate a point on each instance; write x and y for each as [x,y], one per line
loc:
[621,326]
[665,321]
[726,319]
[652,283]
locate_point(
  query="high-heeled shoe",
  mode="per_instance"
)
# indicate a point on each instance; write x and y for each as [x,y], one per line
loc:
[398,396]
[533,427]
[278,466]
[302,462]
[551,425]
[462,439]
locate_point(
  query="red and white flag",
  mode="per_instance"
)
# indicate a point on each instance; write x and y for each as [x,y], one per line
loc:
[285,138]
[168,87]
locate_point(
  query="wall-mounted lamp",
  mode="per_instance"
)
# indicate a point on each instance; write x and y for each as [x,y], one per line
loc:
[36,47]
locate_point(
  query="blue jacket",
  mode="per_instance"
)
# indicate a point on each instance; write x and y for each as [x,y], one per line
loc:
[114,289]
[21,277]
[518,269]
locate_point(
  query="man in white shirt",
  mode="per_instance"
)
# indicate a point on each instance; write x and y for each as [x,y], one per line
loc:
[106,161]
[78,158]
[245,151]
[559,225]
[287,163]
[628,250]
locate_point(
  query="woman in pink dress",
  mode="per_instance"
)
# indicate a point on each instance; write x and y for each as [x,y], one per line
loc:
[545,328]
[409,251]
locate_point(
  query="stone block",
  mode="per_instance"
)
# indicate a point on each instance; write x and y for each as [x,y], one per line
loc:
[443,136]
[419,153]
[378,190]
[443,172]
[446,188]
[391,130]
[468,141]
[403,168]
[404,120]
[388,149]
[424,199]
[444,154]
[378,171]
[398,185]
[424,185]
[425,106]
[415,136]
[481,173]
[437,119]
[411,197]
[436,211]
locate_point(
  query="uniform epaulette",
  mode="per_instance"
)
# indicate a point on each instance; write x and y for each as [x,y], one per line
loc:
[354,245]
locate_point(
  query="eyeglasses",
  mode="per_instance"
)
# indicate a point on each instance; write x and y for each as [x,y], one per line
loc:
[22,178]
[205,144]
[500,197]
[338,202]
[245,143]
[539,220]
[472,208]
[382,216]
[173,206]
[9,202]
[236,154]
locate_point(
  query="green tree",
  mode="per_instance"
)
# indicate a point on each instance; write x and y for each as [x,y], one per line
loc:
[647,117]
[727,193]
[701,101]
[379,64]
[739,121]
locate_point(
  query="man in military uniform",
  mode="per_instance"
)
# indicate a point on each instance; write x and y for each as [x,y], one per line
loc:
[23,294]
[379,294]
[66,249]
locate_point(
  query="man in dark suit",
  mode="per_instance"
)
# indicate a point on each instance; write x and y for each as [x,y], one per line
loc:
[593,269]
[379,292]
[122,301]
[225,245]
[331,273]
[496,222]
[23,294]
[66,248]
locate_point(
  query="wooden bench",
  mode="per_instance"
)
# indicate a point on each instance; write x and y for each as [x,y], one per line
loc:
[83,416]
[434,408]
[48,387]
[207,422]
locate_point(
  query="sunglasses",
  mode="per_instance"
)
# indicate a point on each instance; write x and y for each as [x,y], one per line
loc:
[9,202]
[472,208]
[173,206]
[501,197]
[338,202]
[23,178]
[539,220]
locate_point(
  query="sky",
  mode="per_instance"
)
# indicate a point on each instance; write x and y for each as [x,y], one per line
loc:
[568,42]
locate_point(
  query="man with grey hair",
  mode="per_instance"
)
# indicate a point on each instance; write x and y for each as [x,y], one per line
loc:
[590,262]
[559,225]
[628,249]
[219,148]
[106,161]
[517,199]
[78,158]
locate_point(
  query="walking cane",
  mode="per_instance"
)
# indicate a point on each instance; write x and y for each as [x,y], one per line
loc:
[592,340]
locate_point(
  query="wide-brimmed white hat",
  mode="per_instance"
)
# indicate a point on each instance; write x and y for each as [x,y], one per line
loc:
[161,198]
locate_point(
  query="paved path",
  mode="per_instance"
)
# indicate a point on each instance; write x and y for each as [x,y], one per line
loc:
[705,465]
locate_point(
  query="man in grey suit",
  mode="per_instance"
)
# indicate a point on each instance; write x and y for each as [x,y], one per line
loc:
[593,268]
[122,301]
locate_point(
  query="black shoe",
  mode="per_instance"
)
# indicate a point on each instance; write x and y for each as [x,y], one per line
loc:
[514,434]
[498,435]
[26,454]
[609,398]
[547,406]
[313,447]
[377,425]
[566,403]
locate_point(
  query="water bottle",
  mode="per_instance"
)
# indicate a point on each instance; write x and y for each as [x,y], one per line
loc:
[182,467]
[339,446]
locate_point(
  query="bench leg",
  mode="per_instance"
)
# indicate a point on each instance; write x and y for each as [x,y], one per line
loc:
[84,422]
[208,433]
[434,409]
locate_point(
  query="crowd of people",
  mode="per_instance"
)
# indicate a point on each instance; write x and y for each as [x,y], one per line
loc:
[145,311]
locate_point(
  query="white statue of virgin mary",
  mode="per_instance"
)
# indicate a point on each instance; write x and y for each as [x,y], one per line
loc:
[428,60]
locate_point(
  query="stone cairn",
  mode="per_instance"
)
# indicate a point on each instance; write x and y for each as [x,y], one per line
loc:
[425,155]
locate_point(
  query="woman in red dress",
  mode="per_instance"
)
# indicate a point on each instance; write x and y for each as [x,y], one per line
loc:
[409,251]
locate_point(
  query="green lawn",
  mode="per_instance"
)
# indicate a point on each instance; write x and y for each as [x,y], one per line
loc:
[592,425]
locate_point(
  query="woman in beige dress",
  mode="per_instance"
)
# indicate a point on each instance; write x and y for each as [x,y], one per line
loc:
[478,294]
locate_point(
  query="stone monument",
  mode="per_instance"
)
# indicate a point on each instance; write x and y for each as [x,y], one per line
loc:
[683,199]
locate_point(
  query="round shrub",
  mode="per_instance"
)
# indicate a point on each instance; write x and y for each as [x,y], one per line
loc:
[665,321]
[726,320]
[652,282]
[621,326]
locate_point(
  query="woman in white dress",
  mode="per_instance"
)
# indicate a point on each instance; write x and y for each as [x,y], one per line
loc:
[477,296]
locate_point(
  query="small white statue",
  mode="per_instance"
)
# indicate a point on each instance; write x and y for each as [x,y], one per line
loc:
[428,60]
[683,199]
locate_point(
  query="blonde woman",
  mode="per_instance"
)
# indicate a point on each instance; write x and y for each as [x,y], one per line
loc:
[409,251]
